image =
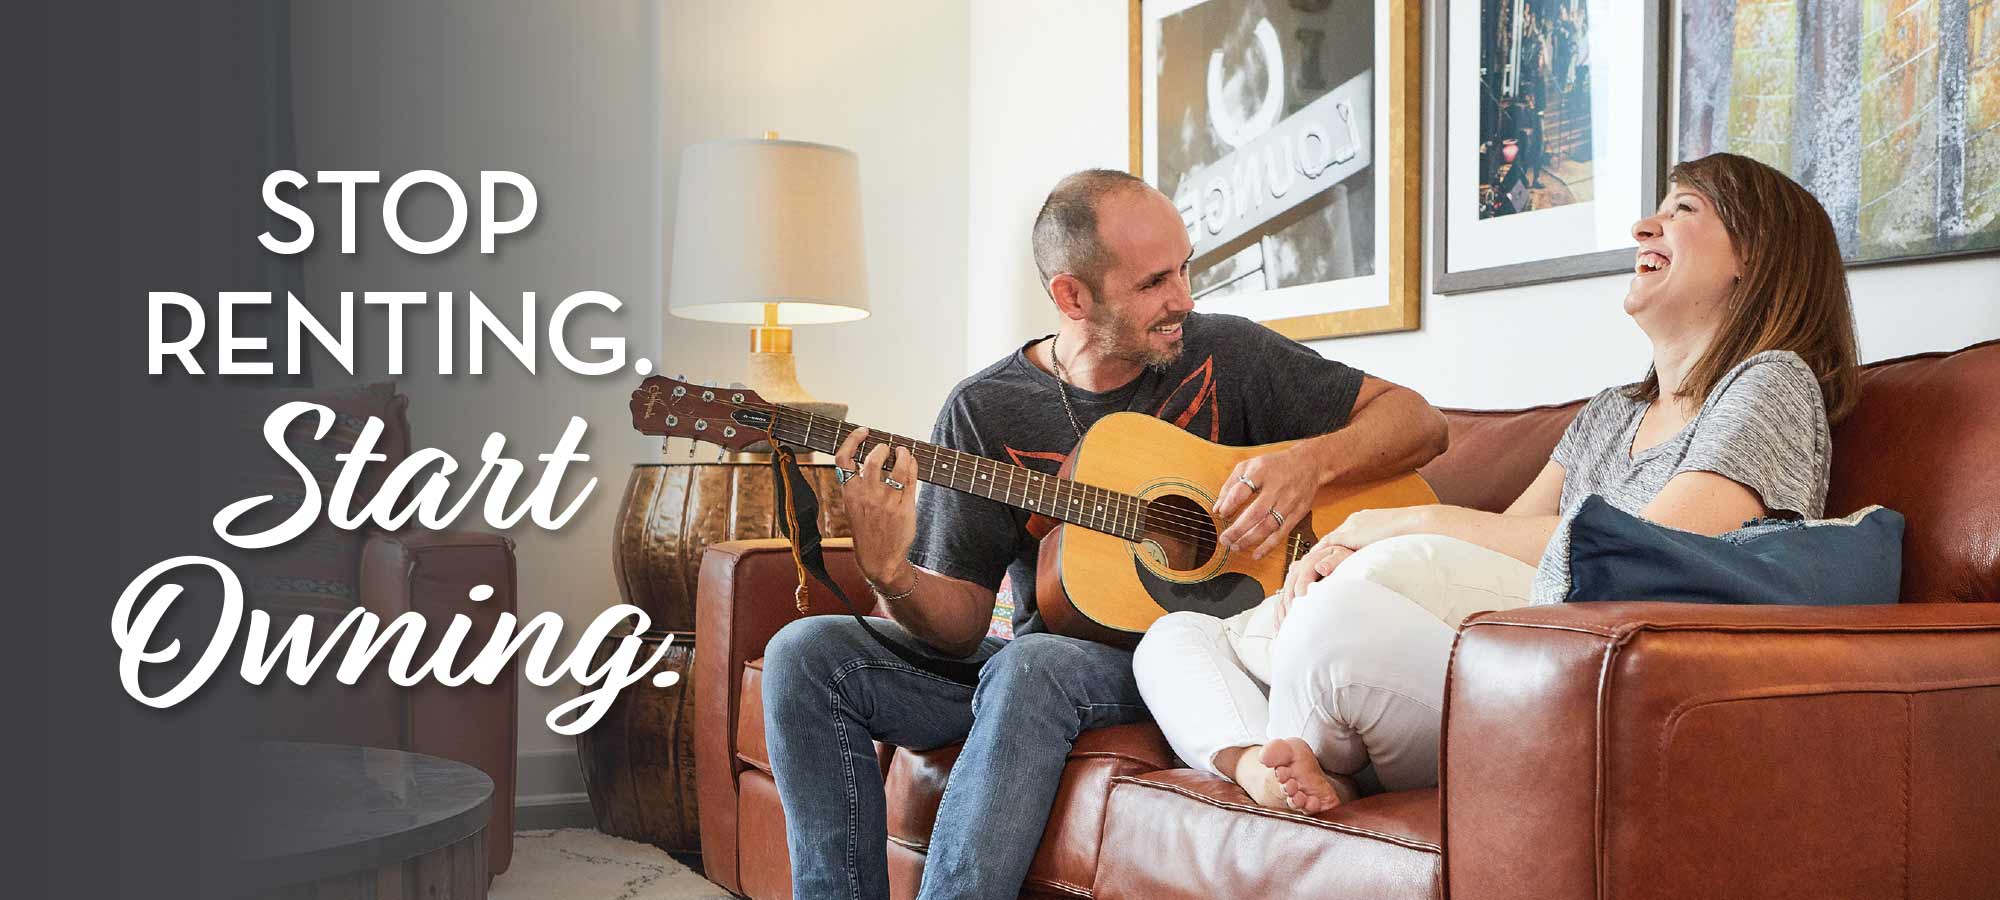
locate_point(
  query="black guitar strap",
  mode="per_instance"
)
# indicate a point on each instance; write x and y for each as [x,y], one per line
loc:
[800,522]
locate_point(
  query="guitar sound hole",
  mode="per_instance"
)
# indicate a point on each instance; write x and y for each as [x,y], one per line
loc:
[1181,529]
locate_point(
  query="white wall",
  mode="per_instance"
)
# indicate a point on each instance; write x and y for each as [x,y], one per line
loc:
[1049,95]
[885,78]
[1047,98]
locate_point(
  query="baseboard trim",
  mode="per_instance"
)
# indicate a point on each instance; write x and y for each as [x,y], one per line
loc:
[554,811]
[551,793]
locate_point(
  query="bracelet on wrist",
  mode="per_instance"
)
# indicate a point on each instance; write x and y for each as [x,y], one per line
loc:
[883,594]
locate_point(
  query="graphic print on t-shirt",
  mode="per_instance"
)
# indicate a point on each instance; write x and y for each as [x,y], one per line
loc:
[1196,396]
[1202,401]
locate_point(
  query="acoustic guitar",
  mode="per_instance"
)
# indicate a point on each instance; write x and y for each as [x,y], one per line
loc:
[1131,532]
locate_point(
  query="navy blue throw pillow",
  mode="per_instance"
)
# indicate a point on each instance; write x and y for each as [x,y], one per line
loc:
[1615,555]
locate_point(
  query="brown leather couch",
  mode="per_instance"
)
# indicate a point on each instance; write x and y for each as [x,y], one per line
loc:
[1596,750]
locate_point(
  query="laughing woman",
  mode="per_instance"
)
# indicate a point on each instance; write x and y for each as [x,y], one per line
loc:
[1739,287]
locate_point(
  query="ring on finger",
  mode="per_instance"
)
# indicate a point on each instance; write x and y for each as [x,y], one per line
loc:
[1278,516]
[892,482]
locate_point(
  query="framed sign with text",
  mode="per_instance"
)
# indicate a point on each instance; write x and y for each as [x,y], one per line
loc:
[1289,134]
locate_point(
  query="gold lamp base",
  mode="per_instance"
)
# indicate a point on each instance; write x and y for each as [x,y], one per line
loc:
[774,371]
[774,374]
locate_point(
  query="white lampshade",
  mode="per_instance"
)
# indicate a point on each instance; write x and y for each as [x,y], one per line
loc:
[769,222]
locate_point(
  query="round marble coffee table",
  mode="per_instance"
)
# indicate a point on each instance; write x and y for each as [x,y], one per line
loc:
[334,821]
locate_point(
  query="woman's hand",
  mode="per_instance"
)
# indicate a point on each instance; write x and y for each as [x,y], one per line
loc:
[1318,563]
[1362,528]
[1368,526]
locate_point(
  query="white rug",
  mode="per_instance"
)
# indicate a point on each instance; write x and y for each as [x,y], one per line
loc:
[586,864]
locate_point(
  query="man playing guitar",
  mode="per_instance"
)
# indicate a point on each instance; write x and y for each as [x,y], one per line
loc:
[1113,255]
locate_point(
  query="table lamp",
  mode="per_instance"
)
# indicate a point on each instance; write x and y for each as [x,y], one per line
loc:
[767,233]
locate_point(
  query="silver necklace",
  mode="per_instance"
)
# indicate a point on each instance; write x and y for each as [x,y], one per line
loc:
[1062,386]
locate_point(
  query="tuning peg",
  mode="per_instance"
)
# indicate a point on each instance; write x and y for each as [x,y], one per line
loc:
[738,386]
[680,376]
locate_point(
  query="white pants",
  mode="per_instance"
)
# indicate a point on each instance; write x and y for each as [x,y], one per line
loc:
[1357,670]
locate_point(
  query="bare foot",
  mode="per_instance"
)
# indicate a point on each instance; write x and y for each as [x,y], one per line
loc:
[1305,787]
[1255,778]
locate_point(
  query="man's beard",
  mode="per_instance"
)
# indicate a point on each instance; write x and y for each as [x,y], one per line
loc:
[1118,337]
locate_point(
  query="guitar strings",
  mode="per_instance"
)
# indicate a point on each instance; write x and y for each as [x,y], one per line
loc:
[1177,524]
[1187,526]
[1195,528]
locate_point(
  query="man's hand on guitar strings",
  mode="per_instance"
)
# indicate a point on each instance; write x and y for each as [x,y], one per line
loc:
[1267,497]
[881,515]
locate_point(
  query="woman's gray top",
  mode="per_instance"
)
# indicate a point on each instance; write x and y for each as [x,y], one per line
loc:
[1763,426]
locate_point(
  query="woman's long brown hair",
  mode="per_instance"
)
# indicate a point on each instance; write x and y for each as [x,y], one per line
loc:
[1793,294]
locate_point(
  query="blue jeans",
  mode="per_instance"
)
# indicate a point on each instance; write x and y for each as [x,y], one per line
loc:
[830,690]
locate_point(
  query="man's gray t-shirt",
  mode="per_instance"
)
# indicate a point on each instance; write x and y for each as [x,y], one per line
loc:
[1236,382]
[1763,426]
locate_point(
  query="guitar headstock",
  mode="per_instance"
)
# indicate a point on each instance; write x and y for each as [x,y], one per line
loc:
[732,417]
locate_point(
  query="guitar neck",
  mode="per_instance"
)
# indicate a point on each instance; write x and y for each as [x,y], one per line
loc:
[1111,512]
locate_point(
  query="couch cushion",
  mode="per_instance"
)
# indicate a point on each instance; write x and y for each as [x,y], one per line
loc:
[1923,442]
[1181,833]
[766,871]
[750,718]
[1495,455]
[1615,555]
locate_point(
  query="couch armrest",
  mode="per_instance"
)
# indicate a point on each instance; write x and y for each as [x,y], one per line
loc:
[446,559]
[1680,750]
[744,594]
[430,572]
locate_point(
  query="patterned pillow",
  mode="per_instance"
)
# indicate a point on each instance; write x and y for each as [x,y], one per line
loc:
[1002,624]
[319,569]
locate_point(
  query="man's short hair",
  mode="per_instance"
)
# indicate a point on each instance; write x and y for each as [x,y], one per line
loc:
[1066,238]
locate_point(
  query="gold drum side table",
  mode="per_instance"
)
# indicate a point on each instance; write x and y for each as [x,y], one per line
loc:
[671,512]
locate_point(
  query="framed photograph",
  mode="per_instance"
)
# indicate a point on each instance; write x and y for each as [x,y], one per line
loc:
[1289,134]
[1548,141]
[1889,112]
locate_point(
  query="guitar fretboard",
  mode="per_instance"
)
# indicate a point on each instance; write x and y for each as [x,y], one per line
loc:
[1111,512]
